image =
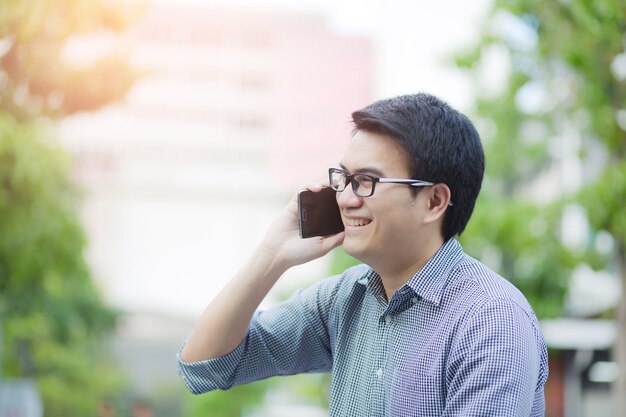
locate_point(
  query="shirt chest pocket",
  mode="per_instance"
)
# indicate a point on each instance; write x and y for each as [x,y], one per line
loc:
[417,381]
[417,387]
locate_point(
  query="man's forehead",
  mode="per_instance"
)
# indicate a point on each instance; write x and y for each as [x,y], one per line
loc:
[374,153]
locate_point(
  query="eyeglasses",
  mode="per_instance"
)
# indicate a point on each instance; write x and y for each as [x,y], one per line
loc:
[363,185]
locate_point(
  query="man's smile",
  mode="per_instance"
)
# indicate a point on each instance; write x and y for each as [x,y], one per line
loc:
[356,222]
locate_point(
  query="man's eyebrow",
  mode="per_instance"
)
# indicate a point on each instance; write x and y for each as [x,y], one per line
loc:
[365,170]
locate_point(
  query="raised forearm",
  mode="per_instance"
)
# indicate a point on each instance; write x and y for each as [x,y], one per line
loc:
[225,321]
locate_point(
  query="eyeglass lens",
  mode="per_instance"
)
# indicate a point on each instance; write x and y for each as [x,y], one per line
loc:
[362,184]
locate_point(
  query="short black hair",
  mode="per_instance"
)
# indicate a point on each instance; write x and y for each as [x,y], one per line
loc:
[441,145]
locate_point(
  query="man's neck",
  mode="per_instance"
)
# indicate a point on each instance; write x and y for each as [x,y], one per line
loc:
[399,271]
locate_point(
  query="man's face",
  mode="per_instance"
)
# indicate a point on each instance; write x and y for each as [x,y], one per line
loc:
[386,225]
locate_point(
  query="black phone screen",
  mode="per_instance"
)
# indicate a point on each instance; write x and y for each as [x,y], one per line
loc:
[318,213]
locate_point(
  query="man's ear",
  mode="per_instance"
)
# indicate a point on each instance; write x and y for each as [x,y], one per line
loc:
[439,196]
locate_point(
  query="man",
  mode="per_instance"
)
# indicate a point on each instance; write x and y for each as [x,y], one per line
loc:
[420,329]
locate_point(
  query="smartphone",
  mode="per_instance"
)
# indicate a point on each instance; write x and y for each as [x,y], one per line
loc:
[318,213]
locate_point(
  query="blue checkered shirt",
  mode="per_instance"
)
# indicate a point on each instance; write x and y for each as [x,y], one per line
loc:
[455,340]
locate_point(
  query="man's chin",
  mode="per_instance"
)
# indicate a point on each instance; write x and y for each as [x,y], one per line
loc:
[355,249]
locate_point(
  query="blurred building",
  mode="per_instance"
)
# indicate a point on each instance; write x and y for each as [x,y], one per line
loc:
[234,109]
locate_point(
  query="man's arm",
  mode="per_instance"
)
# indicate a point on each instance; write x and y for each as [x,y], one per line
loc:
[225,321]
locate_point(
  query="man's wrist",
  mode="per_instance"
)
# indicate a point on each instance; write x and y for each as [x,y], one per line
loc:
[268,262]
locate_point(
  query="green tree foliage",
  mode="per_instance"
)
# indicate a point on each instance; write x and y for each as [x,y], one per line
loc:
[52,315]
[561,93]
[37,79]
[236,402]
[54,321]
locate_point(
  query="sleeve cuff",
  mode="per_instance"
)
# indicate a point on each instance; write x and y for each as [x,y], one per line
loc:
[210,374]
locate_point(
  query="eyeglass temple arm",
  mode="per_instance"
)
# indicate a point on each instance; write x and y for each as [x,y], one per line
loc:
[412,183]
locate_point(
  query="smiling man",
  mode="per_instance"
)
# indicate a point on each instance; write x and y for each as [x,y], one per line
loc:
[420,328]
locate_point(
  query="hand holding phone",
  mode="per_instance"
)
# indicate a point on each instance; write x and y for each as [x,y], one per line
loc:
[318,213]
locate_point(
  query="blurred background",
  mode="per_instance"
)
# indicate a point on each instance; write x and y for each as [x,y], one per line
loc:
[145,146]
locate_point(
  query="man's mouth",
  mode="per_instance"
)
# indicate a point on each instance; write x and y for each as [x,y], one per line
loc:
[357,222]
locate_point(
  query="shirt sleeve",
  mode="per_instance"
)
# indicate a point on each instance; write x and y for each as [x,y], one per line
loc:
[291,337]
[498,364]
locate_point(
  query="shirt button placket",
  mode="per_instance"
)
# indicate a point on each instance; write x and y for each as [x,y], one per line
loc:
[379,385]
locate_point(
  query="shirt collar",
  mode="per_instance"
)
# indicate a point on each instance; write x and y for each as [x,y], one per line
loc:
[374,285]
[430,281]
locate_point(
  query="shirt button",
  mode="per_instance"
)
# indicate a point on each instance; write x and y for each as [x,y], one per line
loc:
[415,300]
[379,373]
[388,319]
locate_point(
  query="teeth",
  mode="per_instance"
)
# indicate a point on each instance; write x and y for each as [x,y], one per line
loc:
[357,222]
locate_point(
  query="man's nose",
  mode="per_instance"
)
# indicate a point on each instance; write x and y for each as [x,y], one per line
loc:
[347,198]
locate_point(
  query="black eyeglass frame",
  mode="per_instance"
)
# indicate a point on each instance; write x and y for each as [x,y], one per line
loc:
[350,179]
